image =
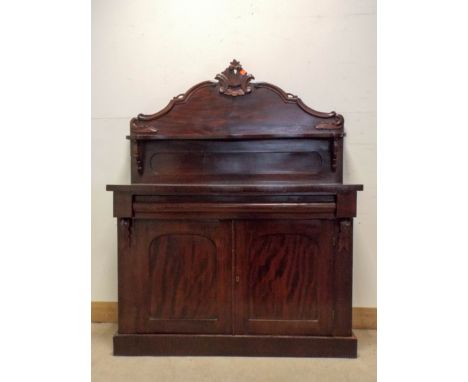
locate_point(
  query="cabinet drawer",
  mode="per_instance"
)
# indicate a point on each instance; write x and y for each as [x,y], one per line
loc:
[232,210]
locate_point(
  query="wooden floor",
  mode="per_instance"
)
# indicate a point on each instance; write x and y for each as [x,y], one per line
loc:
[106,367]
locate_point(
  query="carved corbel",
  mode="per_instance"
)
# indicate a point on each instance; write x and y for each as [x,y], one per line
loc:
[344,236]
[234,81]
[126,223]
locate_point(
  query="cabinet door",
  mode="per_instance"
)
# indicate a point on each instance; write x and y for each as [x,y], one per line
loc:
[181,276]
[283,277]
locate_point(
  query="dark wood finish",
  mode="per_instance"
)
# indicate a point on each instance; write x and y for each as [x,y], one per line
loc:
[181,276]
[236,188]
[346,202]
[230,110]
[268,112]
[123,204]
[343,277]
[234,345]
[202,161]
[283,277]
[235,236]
[234,81]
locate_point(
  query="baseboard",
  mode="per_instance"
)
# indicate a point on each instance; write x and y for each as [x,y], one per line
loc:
[106,311]
[103,311]
[365,318]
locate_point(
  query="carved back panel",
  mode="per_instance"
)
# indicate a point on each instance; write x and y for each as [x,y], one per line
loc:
[235,128]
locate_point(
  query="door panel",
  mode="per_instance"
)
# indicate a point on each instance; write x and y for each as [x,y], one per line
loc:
[184,276]
[283,277]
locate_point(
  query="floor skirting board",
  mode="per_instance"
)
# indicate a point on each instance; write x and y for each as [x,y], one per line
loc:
[365,318]
[106,311]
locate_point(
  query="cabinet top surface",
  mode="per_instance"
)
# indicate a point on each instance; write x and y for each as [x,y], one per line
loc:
[236,187]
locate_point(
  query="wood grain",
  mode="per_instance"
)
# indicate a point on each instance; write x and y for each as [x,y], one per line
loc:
[182,279]
[207,114]
[284,277]
[280,277]
[343,280]
[106,311]
[179,160]
[238,186]
[228,345]
[236,232]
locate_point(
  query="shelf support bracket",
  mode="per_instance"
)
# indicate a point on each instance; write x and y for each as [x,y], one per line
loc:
[334,153]
[138,155]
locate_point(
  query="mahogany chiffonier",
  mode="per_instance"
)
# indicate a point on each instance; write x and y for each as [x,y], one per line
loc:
[235,235]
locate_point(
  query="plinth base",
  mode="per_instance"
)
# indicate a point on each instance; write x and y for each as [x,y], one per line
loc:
[234,345]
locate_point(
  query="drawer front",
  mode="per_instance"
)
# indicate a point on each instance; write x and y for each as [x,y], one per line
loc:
[226,209]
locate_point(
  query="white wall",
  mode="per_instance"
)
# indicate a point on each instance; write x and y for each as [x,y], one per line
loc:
[144,52]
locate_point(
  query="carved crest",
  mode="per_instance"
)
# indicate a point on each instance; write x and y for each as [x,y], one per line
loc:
[234,81]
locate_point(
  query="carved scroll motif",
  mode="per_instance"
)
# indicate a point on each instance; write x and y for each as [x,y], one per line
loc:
[234,81]
[141,129]
[336,123]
